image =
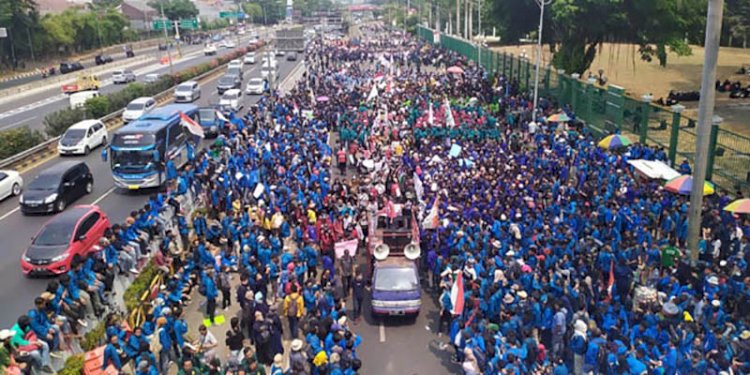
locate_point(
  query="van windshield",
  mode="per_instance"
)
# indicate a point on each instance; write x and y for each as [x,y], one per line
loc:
[396,279]
[74,134]
[134,107]
[45,182]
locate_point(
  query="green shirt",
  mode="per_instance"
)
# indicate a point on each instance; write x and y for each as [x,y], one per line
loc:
[668,255]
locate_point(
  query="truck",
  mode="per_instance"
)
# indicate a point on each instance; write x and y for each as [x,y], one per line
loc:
[393,247]
[291,39]
[82,83]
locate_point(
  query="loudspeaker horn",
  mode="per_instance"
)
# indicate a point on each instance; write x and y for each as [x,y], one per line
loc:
[412,251]
[381,251]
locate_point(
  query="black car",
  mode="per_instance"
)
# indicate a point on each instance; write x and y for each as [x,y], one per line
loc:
[228,82]
[102,59]
[291,56]
[68,67]
[56,187]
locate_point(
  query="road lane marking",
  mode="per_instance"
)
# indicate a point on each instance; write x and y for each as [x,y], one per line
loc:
[108,192]
[382,332]
[11,212]
[18,122]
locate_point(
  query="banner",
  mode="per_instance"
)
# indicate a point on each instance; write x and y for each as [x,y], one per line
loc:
[342,246]
[432,221]
[449,120]
[259,189]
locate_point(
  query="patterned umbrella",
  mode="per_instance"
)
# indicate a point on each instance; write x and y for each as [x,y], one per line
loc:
[455,70]
[614,141]
[683,184]
[740,206]
[559,117]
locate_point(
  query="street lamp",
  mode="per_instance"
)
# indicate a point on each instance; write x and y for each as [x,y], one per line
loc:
[542,4]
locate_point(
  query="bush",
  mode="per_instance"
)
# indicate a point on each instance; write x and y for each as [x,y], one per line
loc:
[97,107]
[133,293]
[94,338]
[17,140]
[56,123]
[74,365]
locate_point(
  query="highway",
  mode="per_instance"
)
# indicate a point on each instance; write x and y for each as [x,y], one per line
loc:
[31,109]
[16,290]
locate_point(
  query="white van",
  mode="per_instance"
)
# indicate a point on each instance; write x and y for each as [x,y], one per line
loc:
[187,92]
[137,108]
[78,99]
[82,137]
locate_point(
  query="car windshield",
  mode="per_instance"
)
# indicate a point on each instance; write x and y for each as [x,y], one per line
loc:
[207,114]
[184,88]
[44,182]
[117,73]
[396,279]
[231,96]
[135,106]
[74,134]
[54,234]
[256,82]
[228,80]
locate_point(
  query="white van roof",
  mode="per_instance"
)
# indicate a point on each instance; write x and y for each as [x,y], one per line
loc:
[141,100]
[85,124]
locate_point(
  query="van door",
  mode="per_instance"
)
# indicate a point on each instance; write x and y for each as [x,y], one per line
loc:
[90,138]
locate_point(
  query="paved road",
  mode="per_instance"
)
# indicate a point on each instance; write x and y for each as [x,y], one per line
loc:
[17,291]
[30,110]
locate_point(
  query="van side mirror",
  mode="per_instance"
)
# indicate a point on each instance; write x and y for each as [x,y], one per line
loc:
[104,154]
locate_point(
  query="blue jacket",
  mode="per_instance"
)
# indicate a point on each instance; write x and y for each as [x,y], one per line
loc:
[111,357]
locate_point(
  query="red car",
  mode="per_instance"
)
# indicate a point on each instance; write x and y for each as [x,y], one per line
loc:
[71,232]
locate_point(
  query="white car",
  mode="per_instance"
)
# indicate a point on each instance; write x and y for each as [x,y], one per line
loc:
[236,63]
[279,52]
[123,76]
[82,137]
[249,58]
[209,50]
[269,71]
[255,86]
[229,44]
[232,99]
[137,108]
[153,77]
[11,183]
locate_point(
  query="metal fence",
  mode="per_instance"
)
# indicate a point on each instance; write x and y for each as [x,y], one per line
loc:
[608,109]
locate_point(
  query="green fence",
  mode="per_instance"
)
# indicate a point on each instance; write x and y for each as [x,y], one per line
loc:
[609,109]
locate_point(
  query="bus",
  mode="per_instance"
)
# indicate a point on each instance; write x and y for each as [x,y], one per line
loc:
[139,150]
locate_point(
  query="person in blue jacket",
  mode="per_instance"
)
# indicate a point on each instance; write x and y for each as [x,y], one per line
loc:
[211,292]
[114,354]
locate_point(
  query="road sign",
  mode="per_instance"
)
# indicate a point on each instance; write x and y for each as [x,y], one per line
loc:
[231,15]
[160,24]
[3,32]
[189,24]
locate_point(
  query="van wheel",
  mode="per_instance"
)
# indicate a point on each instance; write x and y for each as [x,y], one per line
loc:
[60,205]
[89,187]
[16,189]
[86,150]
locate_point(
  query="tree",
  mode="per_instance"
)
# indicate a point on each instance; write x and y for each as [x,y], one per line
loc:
[736,24]
[253,11]
[575,29]
[175,9]
[21,19]
[101,5]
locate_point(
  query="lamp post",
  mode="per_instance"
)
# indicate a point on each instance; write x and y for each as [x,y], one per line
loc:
[542,4]
[166,37]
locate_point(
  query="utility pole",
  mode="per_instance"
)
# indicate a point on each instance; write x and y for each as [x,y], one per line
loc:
[466,19]
[166,37]
[542,4]
[470,10]
[705,118]
[458,18]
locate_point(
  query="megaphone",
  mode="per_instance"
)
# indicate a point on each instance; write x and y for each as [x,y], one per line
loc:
[412,251]
[381,251]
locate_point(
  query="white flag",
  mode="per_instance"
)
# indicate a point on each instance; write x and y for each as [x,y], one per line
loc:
[449,120]
[373,93]
[431,116]
[221,117]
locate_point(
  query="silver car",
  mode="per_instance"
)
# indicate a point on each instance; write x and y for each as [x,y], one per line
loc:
[187,92]
[123,76]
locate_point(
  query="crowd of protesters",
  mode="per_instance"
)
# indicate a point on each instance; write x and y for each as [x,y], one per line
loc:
[570,261]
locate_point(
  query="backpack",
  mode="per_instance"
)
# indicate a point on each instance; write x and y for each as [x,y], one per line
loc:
[293,308]
[264,336]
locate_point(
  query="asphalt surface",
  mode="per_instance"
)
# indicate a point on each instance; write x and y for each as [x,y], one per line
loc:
[17,291]
[32,109]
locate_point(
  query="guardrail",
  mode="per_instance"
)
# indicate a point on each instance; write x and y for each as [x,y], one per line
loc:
[112,121]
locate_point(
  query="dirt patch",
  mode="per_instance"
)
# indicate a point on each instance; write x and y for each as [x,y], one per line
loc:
[622,66]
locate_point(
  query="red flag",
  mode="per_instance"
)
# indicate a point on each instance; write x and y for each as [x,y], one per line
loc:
[191,125]
[457,295]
